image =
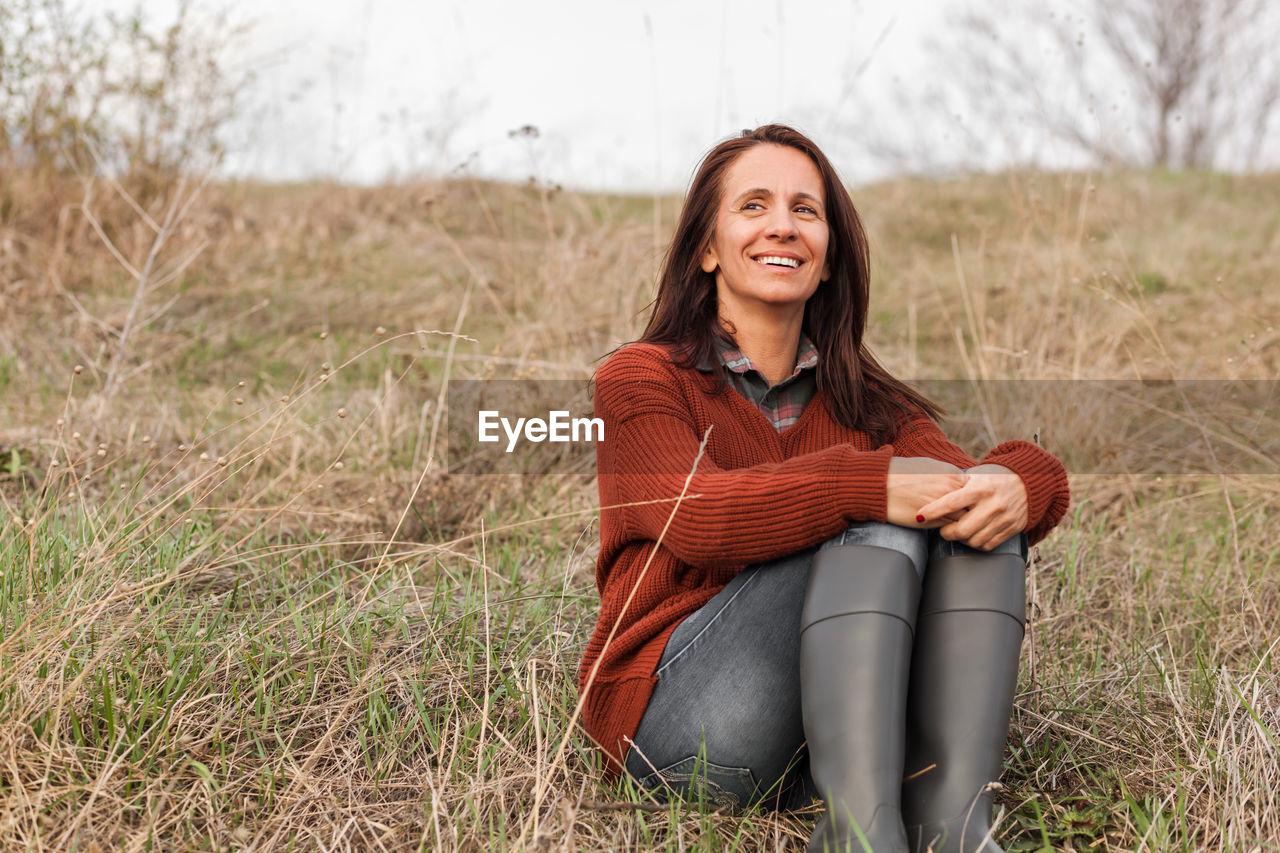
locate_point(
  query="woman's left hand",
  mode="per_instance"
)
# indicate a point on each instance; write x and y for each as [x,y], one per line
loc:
[990,507]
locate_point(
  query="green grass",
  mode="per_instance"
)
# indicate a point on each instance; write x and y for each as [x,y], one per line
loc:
[261,669]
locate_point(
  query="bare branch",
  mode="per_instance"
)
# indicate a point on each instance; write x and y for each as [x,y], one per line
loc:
[176,206]
[97,229]
[1177,83]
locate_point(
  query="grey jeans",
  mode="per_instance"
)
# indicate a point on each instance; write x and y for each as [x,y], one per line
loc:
[724,721]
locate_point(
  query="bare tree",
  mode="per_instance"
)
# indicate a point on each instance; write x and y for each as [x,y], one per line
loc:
[1171,83]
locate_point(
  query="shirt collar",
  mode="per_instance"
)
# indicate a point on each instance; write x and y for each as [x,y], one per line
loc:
[729,356]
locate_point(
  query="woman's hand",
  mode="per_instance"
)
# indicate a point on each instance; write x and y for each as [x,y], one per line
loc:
[916,481]
[990,507]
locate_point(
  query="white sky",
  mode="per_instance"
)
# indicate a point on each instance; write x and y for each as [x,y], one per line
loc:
[624,93]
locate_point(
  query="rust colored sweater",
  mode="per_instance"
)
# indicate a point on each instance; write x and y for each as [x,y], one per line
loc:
[757,495]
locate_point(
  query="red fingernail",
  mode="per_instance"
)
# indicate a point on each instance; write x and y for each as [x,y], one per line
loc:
[919,519]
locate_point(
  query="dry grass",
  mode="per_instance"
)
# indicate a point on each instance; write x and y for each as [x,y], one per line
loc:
[243,608]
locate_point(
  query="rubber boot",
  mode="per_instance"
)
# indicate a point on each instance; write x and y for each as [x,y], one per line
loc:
[855,655]
[964,672]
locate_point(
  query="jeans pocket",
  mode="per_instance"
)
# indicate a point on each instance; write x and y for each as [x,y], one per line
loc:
[695,778]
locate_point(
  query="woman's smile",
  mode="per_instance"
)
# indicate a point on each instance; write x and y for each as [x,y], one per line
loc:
[779,261]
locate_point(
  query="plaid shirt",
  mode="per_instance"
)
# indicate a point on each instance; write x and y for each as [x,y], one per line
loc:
[783,403]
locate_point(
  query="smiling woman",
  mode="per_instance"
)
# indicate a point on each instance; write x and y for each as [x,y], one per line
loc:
[806,589]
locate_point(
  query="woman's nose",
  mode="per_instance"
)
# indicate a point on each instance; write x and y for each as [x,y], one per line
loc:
[782,224]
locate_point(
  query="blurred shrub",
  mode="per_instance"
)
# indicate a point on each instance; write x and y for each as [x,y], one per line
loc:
[88,92]
[101,115]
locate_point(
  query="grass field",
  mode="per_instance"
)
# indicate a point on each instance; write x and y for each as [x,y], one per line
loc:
[243,607]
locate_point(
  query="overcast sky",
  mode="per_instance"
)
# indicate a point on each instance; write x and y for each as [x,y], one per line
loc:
[623,93]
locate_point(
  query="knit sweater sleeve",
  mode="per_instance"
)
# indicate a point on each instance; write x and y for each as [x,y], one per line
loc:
[653,452]
[1043,476]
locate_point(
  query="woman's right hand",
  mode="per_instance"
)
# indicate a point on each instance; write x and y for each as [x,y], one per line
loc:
[915,481]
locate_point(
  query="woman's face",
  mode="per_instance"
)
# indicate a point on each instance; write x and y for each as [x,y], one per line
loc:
[769,248]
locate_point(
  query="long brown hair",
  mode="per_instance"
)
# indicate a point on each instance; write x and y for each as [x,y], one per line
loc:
[859,392]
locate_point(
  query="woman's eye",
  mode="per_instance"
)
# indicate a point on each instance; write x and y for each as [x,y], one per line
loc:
[753,205]
[806,209]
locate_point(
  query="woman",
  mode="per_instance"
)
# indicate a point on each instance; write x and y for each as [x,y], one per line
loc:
[763,616]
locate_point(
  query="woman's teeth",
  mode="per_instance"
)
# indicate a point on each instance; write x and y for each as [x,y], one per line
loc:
[778,262]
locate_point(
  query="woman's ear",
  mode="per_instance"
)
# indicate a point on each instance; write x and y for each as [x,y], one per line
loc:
[826,271]
[710,263]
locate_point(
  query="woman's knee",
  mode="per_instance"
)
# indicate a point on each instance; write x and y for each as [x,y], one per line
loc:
[905,540]
[964,578]
[939,547]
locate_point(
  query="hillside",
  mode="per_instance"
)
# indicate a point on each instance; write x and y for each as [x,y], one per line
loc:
[243,606]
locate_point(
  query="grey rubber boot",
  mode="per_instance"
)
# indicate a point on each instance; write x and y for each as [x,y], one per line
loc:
[964,672]
[855,654]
